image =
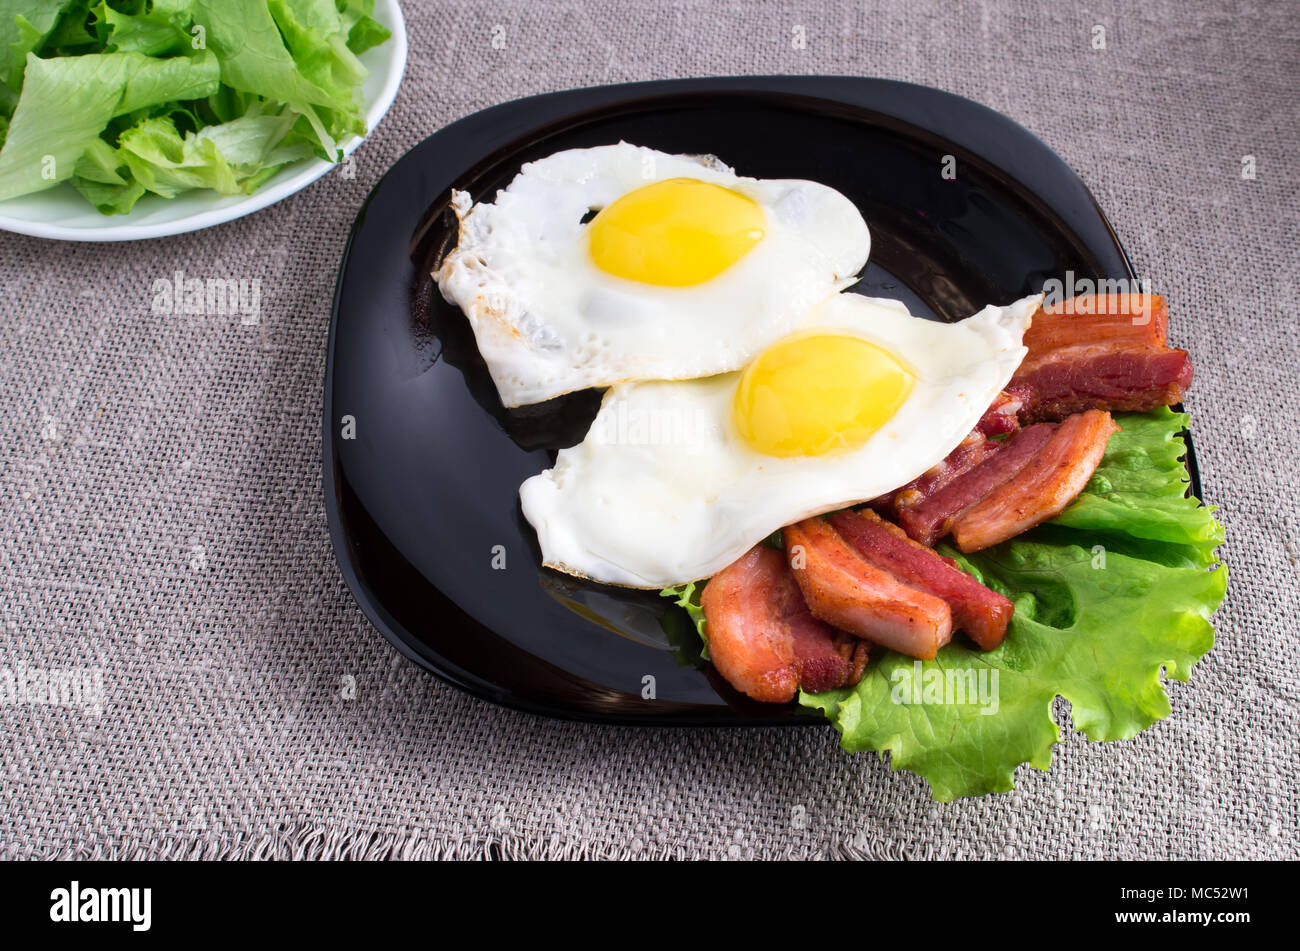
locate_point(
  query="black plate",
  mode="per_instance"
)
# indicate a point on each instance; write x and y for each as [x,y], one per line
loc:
[422,496]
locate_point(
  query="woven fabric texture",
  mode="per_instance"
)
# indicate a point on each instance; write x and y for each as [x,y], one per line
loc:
[162,534]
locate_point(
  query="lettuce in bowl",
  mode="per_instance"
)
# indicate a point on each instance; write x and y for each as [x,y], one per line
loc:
[122,98]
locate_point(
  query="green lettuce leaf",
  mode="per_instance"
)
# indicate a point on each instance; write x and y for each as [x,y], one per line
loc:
[24,27]
[156,29]
[65,104]
[101,163]
[363,30]
[77,31]
[313,31]
[1107,595]
[108,198]
[231,158]
[687,597]
[155,82]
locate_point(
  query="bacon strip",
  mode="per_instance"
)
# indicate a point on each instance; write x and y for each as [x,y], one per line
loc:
[844,589]
[1099,352]
[1042,488]
[1140,320]
[1074,380]
[932,517]
[981,613]
[764,640]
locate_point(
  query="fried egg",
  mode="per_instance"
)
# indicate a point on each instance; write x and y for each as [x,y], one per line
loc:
[603,265]
[676,480]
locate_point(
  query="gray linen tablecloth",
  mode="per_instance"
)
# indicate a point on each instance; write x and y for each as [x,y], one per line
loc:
[161,522]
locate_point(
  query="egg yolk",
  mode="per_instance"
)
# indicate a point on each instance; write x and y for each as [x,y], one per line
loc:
[675,233]
[817,394]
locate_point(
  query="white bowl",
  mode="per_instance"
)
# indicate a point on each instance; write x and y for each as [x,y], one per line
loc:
[62,213]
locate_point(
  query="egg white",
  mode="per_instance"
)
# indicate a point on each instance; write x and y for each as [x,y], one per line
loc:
[663,490]
[548,321]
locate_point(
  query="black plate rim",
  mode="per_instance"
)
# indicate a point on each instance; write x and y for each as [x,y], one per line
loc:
[604,97]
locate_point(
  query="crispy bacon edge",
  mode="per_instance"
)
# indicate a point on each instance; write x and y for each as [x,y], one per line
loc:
[764,640]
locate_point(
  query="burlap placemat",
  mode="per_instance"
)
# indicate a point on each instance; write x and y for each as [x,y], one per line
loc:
[162,532]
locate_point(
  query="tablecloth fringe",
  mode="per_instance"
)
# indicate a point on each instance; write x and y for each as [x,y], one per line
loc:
[320,843]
